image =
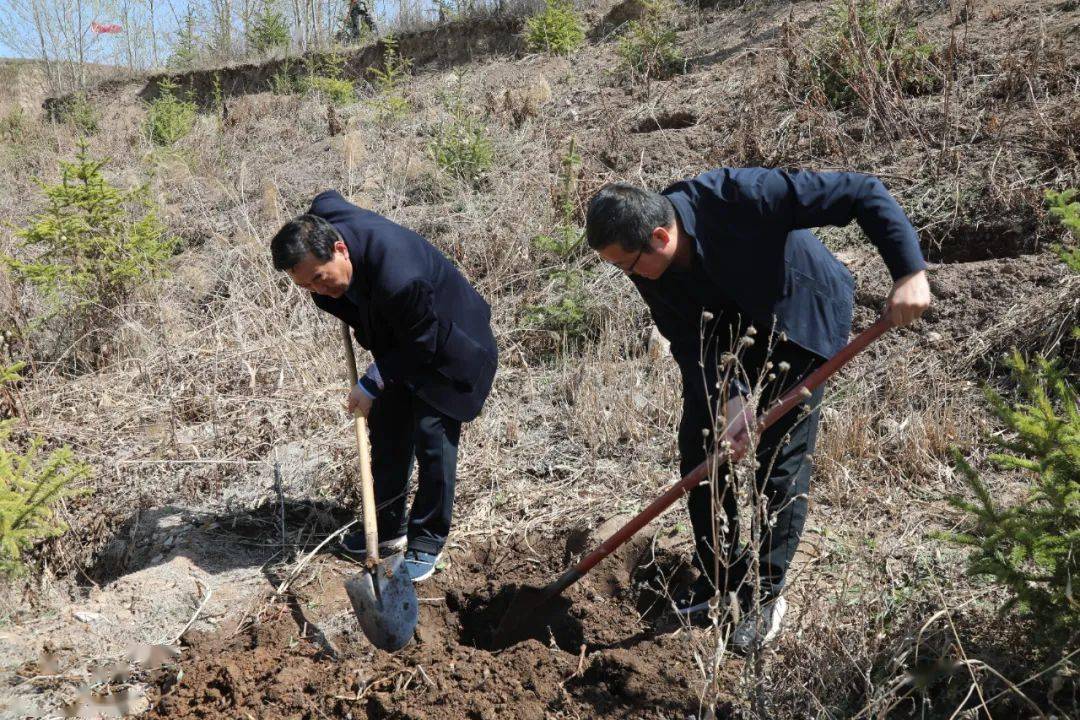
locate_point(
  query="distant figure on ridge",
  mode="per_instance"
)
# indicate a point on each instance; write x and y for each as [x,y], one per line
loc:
[350,31]
[728,268]
[435,359]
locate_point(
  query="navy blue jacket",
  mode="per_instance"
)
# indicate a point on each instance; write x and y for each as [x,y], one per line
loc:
[425,324]
[750,227]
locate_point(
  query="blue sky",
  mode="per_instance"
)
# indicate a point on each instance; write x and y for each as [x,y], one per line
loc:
[166,14]
[103,45]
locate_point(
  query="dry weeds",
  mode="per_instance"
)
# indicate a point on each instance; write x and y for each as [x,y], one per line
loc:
[225,369]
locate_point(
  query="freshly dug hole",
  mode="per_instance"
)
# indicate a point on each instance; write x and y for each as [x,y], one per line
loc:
[513,615]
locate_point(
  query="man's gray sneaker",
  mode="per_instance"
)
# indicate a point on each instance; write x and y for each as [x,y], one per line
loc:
[754,629]
[419,564]
[355,543]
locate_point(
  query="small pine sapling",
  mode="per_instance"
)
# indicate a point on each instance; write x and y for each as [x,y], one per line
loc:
[31,482]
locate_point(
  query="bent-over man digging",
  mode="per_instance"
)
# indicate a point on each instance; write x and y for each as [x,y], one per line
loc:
[726,264]
[435,359]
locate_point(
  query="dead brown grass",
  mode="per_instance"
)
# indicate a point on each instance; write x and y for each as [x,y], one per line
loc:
[225,369]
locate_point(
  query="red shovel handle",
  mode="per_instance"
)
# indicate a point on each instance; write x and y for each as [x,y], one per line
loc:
[737,447]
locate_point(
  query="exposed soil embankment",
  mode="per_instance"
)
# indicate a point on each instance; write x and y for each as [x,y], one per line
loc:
[449,44]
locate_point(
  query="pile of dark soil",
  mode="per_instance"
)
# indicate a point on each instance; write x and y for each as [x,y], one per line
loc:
[610,649]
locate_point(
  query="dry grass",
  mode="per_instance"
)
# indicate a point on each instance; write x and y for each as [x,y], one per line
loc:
[899,432]
[225,368]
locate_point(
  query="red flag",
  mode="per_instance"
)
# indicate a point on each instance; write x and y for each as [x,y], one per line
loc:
[105,28]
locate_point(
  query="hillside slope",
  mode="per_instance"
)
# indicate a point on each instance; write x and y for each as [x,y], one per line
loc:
[212,417]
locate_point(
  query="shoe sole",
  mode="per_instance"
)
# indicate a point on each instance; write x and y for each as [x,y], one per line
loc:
[386,546]
[429,573]
[742,647]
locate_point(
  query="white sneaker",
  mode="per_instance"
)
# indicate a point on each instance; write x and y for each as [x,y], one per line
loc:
[751,628]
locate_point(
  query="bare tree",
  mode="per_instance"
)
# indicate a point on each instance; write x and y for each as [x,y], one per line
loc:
[58,32]
[61,33]
[220,14]
[51,31]
[151,5]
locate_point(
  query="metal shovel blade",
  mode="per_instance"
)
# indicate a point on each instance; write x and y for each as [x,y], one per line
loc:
[384,601]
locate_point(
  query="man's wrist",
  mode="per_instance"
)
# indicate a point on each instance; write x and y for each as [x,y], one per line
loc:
[909,276]
[736,388]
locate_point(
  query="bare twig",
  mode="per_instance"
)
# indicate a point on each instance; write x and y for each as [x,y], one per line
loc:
[208,592]
[307,558]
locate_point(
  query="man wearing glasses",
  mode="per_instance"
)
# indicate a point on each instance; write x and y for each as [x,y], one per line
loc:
[751,302]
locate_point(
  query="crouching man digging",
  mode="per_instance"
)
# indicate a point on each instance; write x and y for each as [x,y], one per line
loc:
[726,265]
[435,359]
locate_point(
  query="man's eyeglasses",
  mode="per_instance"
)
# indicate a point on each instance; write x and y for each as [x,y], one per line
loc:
[632,265]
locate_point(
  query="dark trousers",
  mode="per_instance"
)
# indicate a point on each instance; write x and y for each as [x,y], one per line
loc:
[404,427]
[783,478]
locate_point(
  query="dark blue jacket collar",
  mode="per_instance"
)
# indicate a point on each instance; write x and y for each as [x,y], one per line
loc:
[358,289]
[685,214]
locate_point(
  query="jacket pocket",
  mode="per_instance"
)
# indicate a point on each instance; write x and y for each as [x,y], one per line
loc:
[798,280]
[461,360]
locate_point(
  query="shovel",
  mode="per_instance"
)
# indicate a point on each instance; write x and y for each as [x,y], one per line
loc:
[530,602]
[382,594]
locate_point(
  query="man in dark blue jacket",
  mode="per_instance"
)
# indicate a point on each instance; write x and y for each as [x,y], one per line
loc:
[751,301]
[435,358]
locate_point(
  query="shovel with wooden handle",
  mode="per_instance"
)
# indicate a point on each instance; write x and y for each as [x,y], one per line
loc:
[382,594]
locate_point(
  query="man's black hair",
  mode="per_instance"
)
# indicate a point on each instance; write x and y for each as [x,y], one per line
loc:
[302,235]
[627,215]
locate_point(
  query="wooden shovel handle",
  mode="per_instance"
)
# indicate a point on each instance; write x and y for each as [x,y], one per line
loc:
[367,484]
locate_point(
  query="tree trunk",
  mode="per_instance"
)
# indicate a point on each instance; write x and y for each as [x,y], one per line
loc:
[52,72]
[153,34]
[80,35]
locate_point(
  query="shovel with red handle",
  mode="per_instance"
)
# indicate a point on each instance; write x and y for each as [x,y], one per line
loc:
[737,441]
